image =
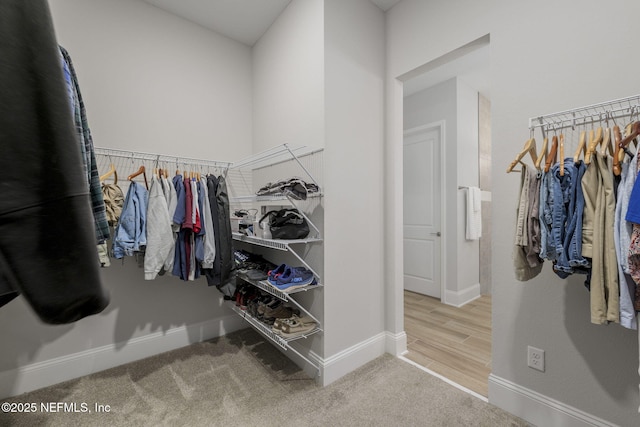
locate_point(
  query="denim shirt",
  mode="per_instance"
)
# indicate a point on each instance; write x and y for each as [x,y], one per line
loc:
[573,243]
[566,228]
[130,234]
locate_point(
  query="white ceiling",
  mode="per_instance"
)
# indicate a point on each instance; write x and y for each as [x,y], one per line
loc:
[242,20]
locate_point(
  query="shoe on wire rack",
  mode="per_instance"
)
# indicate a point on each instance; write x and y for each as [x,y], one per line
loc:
[297,277]
[296,328]
[273,274]
[279,323]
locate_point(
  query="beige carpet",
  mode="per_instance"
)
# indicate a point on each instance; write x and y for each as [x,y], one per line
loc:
[241,380]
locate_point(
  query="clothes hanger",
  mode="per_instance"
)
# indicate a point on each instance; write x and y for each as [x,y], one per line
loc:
[606,141]
[111,171]
[595,138]
[141,171]
[543,153]
[607,145]
[617,169]
[582,148]
[529,147]
[552,155]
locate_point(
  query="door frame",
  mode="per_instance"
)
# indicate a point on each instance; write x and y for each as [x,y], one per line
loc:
[440,125]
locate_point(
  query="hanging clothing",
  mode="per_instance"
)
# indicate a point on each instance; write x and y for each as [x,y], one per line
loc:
[209,237]
[526,267]
[627,285]
[567,211]
[171,196]
[86,141]
[159,232]
[180,262]
[545,217]
[220,274]
[45,198]
[201,233]
[130,235]
[113,201]
[598,242]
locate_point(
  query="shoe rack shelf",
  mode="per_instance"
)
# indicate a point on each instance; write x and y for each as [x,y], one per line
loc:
[283,245]
[283,342]
[284,296]
[282,154]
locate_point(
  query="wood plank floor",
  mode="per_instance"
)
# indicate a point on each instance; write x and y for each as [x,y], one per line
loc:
[454,342]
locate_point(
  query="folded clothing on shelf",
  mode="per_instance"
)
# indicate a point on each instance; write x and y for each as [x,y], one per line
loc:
[294,187]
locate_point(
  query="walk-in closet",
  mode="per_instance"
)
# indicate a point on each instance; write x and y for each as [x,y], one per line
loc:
[281,153]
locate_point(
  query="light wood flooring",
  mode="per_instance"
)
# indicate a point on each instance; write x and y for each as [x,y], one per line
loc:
[453,342]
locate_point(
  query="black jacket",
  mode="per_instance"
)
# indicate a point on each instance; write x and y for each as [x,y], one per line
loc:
[47,240]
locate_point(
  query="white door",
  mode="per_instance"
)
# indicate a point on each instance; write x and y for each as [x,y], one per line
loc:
[422,199]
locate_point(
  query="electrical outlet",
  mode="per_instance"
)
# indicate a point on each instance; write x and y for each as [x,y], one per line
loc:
[535,358]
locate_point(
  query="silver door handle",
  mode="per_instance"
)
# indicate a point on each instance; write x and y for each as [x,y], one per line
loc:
[436,234]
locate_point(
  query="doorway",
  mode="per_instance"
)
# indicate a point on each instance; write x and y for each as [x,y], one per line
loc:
[447,333]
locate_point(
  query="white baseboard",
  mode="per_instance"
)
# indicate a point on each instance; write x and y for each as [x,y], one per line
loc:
[42,374]
[537,408]
[396,344]
[340,364]
[460,298]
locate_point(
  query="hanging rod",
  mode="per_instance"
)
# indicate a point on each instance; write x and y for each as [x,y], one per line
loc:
[595,113]
[159,158]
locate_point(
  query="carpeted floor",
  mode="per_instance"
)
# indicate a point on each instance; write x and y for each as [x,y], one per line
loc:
[241,380]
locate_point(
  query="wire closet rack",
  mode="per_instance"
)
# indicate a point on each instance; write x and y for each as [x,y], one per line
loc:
[602,112]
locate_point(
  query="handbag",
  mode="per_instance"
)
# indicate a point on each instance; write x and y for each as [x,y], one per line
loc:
[288,224]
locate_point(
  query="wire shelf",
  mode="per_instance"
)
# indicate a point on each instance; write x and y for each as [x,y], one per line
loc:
[590,114]
[283,295]
[159,158]
[281,153]
[269,198]
[282,245]
[283,342]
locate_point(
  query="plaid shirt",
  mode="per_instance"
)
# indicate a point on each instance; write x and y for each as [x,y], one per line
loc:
[88,155]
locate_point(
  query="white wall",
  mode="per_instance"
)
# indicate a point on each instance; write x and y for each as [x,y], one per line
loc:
[354,112]
[456,103]
[157,83]
[288,79]
[318,80]
[534,70]
[151,82]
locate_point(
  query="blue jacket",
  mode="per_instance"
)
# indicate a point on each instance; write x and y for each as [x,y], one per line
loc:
[131,232]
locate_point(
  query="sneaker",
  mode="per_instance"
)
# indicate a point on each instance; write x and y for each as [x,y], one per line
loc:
[279,323]
[298,277]
[273,274]
[282,312]
[296,328]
